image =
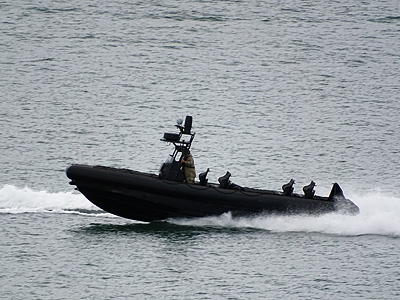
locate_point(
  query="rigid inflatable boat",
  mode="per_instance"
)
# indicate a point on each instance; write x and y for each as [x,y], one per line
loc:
[150,197]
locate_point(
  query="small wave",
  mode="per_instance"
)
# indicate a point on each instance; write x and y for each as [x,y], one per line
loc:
[53,10]
[388,19]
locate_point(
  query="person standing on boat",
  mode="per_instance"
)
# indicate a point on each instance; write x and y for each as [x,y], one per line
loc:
[188,167]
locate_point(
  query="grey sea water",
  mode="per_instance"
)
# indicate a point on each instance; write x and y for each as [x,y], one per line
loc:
[278,89]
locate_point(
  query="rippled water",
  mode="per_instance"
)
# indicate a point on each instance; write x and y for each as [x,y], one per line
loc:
[299,89]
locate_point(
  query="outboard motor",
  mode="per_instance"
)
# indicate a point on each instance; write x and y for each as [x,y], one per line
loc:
[309,190]
[288,188]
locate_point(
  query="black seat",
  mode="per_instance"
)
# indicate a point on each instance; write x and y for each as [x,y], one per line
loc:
[309,190]
[288,188]
[203,177]
[224,180]
[225,183]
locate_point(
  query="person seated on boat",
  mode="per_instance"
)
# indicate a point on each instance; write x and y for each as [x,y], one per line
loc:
[188,167]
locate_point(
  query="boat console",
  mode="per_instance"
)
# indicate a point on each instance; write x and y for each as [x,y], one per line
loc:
[171,169]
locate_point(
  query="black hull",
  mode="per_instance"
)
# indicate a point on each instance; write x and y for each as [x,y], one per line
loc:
[145,197]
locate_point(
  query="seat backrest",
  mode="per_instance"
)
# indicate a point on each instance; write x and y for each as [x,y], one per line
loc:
[203,177]
[224,180]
